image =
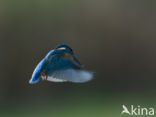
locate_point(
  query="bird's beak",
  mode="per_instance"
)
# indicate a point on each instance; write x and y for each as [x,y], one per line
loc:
[74,59]
[77,61]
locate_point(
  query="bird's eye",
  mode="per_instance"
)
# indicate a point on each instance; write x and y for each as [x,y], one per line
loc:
[71,51]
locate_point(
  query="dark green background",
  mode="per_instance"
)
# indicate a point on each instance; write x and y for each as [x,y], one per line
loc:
[114,39]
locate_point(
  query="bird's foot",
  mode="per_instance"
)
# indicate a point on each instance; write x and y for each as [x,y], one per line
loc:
[43,75]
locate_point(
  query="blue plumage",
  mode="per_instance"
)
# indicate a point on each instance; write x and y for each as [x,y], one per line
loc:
[61,65]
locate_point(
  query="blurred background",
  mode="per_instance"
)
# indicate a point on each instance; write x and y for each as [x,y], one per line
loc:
[115,39]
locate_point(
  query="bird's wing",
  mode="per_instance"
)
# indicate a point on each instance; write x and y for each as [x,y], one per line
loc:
[71,75]
[41,67]
[37,72]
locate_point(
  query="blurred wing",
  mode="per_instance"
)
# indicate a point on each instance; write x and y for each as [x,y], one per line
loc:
[36,74]
[71,75]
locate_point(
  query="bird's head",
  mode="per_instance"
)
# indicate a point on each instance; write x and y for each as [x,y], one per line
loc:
[65,52]
[64,49]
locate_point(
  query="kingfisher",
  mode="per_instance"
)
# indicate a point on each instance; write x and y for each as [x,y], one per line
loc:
[61,65]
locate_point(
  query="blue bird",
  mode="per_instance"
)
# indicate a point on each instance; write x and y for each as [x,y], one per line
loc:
[61,65]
